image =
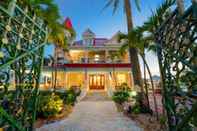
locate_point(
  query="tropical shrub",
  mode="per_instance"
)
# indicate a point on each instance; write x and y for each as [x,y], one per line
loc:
[123,87]
[76,90]
[62,95]
[45,93]
[120,96]
[139,106]
[49,105]
[71,97]
[136,109]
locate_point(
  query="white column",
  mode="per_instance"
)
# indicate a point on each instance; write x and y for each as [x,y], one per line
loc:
[106,56]
[109,83]
[106,81]
[86,56]
[86,80]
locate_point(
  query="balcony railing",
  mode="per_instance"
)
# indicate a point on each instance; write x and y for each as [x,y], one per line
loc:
[94,46]
[90,61]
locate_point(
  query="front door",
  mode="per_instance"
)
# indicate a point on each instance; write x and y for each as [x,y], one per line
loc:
[97,81]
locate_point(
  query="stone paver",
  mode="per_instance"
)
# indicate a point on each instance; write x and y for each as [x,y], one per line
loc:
[93,116]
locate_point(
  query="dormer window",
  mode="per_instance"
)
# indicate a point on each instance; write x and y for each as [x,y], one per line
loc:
[88,37]
[88,42]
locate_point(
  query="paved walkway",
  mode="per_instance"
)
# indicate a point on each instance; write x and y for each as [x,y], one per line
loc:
[91,115]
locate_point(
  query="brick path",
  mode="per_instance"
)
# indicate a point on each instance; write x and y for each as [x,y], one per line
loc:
[92,115]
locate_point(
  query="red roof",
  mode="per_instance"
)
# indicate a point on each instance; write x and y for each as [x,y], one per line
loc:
[68,23]
[99,41]
[96,42]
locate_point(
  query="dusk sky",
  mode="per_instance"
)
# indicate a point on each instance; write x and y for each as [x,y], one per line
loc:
[90,14]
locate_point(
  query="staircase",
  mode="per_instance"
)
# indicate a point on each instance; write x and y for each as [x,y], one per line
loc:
[96,96]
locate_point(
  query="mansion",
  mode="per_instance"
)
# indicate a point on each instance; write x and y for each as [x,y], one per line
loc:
[91,63]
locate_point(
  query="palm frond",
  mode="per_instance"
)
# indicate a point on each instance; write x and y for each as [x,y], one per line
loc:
[115,5]
[152,48]
[137,3]
[121,37]
[158,16]
[109,3]
[123,48]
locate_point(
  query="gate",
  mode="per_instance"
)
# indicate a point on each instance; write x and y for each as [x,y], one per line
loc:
[177,54]
[22,40]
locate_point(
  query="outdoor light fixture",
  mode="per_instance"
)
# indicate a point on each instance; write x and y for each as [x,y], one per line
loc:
[96,57]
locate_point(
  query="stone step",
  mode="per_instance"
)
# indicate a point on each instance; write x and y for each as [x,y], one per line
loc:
[96,96]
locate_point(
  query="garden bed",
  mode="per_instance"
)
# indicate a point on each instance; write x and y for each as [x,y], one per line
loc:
[64,114]
[133,106]
[146,121]
[55,106]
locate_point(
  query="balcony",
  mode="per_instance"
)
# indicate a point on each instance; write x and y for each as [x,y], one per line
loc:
[94,63]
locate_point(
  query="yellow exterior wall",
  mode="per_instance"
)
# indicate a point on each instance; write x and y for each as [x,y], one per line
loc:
[76,56]
[123,77]
[61,79]
[75,79]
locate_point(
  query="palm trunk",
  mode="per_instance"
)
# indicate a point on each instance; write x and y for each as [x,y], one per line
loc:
[145,83]
[153,89]
[132,51]
[180,6]
[55,83]
[55,77]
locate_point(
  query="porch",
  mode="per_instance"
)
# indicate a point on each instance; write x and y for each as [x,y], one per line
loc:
[86,79]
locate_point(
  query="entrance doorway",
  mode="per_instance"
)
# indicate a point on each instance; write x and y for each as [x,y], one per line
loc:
[97,81]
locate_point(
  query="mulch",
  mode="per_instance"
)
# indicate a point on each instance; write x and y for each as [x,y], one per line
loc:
[147,122]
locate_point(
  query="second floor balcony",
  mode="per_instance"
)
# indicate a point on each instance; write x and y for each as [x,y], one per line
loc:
[92,57]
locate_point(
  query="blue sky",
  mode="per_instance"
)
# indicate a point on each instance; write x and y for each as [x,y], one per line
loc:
[90,14]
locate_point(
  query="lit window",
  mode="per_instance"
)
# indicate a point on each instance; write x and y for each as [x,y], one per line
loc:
[121,78]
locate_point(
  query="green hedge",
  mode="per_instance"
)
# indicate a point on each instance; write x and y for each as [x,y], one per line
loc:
[49,105]
[120,96]
[52,103]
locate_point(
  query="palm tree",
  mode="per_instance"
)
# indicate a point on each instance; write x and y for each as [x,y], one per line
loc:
[133,52]
[151,26]
[138,42]
[136,36]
